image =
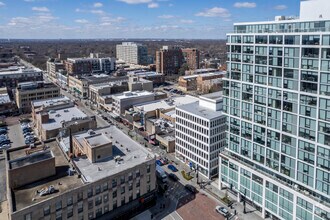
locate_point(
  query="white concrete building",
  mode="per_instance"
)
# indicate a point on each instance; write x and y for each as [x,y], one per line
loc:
[277,100]
[126,100]
[200,134]
[132,53]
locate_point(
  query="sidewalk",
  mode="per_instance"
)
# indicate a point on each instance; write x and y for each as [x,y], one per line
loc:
[213,190]
[4,210]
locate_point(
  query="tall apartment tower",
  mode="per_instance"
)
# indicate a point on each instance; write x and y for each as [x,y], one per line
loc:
[133,53]
[169,59]
[191,57]
[200,134]
[277,100]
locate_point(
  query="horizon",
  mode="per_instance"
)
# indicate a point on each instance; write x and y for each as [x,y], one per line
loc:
[133,19]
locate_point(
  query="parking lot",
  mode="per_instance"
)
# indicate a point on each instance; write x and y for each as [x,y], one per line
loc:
[15,135]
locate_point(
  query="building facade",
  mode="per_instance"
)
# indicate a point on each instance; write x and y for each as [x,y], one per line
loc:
[200,134]
[10,77]
[191,58]
[27,92]
[169,59]
[133,53]
[54,66]
[89,65]
[276,97]
[117,189]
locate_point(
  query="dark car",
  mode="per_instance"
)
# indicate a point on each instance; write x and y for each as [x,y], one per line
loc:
[190,188]
[172,167]
[173,177]
[159,163]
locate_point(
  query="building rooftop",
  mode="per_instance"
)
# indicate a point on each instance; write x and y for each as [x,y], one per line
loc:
[130,152]
[19,70]
[128,95]
[217,96]
[50,102]
[196,109]
[143,73]
[30,159]
[4,98]
[56,117]
[27,195]
[167,103]
[97,140]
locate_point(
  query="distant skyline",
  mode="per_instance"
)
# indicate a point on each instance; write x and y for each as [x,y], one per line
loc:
[190,19]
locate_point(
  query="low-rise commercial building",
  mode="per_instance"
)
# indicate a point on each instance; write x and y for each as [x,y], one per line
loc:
[97,92]
[10,77]
[79,85]
[156,78]
[200,134]
[126,100]
[27,92]
[7,106]
[203,83]
[100,173]
[51,117]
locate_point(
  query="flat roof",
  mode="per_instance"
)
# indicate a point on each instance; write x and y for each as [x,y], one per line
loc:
[19,70]
[166,103]
[144,73]
[56,117]
[49,102]
[196,109]
[128,95]
[213,96]
[30,159]
[26,196]
[4,98]
[131,152]
[97,140]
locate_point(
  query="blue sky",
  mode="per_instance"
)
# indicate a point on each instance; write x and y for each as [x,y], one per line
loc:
[202,19]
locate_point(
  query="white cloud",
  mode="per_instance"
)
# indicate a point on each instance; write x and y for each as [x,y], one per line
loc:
[40,9]
[136,1]
[184,21]
[97,12]
[153,5]
[214,12]
[2,4]
[98,5]
[81,21]
[280,7]
[29,0]
[245,5]
[166,16]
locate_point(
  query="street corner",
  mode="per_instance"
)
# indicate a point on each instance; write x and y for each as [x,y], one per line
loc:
[198,206]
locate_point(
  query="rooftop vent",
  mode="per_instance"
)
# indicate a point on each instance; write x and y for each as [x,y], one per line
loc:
[91,132]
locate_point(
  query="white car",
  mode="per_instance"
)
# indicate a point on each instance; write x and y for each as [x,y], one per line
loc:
[222,210]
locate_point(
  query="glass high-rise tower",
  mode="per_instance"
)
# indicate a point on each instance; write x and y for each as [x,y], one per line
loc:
[277,102]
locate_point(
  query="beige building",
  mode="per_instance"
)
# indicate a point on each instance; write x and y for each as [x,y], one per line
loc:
[25,93]
[54,66]
[58,115]
[48,182]
[79,85]
[203,83]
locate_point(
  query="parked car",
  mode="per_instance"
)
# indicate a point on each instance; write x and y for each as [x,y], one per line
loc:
[159,163]
[190,188]
[172,167]
[222,210]
[164,160]
[173,177]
